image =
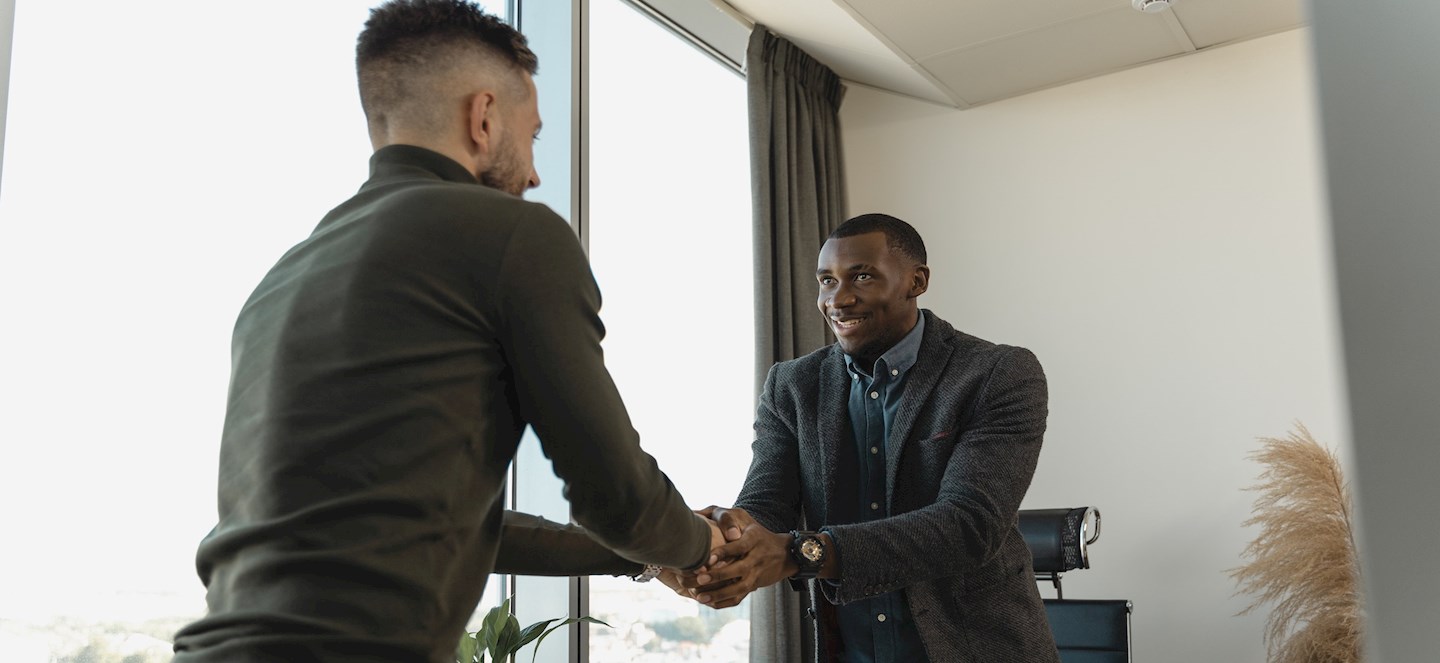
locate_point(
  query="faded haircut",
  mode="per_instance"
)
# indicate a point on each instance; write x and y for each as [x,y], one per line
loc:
[409,47]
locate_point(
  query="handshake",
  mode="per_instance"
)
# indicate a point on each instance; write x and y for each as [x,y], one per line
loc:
[744,556]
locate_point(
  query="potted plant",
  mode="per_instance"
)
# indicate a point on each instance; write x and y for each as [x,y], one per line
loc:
[500,636]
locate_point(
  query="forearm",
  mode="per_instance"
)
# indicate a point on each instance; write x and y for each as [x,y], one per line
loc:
[552,335]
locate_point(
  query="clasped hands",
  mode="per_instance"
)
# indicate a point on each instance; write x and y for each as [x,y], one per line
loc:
[744,557]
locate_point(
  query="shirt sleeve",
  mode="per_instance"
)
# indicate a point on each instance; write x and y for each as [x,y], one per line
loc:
[550,330]
[534,546]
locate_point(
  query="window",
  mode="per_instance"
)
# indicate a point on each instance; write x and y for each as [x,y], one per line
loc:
[152,176]
[670,244]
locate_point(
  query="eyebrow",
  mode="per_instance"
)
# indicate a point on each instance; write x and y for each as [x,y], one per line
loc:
[857,267]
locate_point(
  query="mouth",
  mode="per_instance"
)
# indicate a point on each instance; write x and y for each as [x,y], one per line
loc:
[844,324]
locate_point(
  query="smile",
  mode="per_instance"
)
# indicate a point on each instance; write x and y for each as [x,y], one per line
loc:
[845,324]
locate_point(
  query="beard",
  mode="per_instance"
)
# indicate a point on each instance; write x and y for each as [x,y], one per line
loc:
[505,173]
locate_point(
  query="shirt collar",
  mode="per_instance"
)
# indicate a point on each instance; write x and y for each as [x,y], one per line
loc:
[393,159]
[900,357]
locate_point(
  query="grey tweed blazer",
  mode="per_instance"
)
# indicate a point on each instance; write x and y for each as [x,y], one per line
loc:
[960,457]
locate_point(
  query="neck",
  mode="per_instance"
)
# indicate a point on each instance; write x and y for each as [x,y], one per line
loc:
[456,153]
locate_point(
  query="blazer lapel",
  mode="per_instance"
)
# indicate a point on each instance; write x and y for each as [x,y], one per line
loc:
[833,425]
[934,355]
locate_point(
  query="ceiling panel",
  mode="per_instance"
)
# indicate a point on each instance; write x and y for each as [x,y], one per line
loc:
[967,52]
[1063,52]
[894,74]
[819,22]
[925,28]
[1209,23]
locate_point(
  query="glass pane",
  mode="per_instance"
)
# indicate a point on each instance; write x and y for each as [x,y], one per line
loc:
[670,243]
[152,176]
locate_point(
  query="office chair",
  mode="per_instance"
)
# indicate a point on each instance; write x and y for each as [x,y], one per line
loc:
[1085,630]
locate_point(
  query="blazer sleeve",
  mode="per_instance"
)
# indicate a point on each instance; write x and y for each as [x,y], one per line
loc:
[980,493]
[550,330]
[771,493]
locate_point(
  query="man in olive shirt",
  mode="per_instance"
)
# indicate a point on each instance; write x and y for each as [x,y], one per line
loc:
[385,369]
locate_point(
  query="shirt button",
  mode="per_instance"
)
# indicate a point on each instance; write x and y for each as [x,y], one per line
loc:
[894,371]
[874,450]
[874,506]
[874,394]
[880,617]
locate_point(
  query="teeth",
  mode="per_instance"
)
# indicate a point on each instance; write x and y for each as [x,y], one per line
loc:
[846,323]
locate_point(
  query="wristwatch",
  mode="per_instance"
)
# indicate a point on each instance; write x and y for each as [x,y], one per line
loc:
[808,551]
[650,572]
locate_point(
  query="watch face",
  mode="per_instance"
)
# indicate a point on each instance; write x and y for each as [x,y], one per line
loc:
[810,549]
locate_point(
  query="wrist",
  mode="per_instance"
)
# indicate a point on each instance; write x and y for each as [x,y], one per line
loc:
[646,574]
[831,567]
[790,567]
[808,553]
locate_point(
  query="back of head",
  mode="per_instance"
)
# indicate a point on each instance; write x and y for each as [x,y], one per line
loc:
[901,237]
[411,54]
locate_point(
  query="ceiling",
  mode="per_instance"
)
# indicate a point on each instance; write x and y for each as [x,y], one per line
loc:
[967,52]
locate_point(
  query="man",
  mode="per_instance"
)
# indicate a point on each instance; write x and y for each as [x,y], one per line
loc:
[899,456]
[385,368]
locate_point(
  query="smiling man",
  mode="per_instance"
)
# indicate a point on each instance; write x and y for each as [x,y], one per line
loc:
[889,468]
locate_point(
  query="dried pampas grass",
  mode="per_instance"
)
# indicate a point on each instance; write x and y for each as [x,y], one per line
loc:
[1304,560]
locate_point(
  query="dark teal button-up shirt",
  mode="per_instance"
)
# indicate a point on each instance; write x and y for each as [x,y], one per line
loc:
[878,629]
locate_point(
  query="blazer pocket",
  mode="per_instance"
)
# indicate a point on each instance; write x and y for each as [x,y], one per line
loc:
[943,436]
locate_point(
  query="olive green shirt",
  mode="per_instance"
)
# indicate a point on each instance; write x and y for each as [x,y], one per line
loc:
[383,373]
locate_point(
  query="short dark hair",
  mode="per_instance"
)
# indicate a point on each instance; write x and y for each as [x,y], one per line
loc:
[406,38]
[899,236]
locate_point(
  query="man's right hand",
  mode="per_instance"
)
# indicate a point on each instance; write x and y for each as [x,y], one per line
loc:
[717,539]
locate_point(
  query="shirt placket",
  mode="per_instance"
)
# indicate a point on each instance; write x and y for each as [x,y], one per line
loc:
[875,398]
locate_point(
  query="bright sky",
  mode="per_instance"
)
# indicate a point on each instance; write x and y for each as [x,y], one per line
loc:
[153,174]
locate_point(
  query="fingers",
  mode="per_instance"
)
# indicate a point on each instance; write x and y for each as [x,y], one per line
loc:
[726,594]
[671,579]
[733,521]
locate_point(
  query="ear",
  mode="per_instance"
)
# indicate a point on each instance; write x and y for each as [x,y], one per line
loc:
[482,115]
[919,281]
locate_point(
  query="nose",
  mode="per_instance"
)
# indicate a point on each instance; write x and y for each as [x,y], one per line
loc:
[534,180]
[841,296]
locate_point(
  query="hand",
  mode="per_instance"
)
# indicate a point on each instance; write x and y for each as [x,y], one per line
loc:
[671,578]
[757,558]
[716,539]
[731,519]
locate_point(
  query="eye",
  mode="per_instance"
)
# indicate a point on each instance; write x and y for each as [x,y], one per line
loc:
[827,280]
[862,277]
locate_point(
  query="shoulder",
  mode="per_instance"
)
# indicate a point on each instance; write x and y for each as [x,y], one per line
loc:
[972,351]
[804,369]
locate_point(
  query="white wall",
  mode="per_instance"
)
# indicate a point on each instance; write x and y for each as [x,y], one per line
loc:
[1158,237]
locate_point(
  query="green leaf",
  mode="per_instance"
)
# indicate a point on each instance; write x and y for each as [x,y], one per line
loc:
[529,633]
[563,622]
[465,653]
[509,636]
[490,628]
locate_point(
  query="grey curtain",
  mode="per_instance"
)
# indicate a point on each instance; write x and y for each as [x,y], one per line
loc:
[799,197]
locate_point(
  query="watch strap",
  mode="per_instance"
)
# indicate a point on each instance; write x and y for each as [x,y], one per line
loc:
[650,572]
